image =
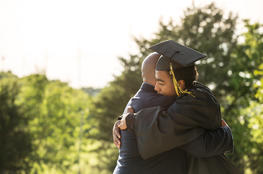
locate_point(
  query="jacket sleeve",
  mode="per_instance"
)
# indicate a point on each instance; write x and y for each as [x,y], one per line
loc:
[211,143]
[157,131]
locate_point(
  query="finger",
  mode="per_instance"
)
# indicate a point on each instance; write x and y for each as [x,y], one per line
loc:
[113,132]
[117,132]
[118,122]
[117,143]
[121,127]
[130,109]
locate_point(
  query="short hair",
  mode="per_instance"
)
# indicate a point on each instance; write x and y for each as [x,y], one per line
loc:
[188,74]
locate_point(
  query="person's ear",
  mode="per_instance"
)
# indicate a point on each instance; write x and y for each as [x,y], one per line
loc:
[181,84]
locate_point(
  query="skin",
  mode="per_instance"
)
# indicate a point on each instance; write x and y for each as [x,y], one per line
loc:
[116,134]
[148,71]
[148,68]
[164,86]
[120,125]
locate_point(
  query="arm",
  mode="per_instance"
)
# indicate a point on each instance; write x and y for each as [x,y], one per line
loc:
[211,143]
[116,136]
[158,131]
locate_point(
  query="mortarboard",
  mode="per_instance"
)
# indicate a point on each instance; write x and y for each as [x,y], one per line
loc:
[176,57]
[180,56]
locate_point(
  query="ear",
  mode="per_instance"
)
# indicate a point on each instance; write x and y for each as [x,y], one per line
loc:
[181,84]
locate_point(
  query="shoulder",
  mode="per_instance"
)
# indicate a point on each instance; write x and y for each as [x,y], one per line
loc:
[201,97]
[145,99]
[201,94]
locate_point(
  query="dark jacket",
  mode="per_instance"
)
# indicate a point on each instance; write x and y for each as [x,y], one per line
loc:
[186,121]
[129,160]
[173,160]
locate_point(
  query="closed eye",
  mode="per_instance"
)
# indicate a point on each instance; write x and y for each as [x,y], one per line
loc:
[161,83]
[160,80]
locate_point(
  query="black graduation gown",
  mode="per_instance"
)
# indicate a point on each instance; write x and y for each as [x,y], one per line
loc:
[158,131]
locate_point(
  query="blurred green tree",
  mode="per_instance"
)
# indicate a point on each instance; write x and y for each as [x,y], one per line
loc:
[57,123]
[225,71]
[252,117]
[248,123]
[58,115]
[110,103]
[15,139]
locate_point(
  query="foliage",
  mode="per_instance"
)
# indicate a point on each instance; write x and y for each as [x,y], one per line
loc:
[48,127]
[110,103]
[91,91]
[247,58]
[228,71]
[197,25]
[56,113]
[44,125]
[15,139]
[254,115]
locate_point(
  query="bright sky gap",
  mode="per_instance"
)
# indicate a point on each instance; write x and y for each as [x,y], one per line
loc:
[79,41]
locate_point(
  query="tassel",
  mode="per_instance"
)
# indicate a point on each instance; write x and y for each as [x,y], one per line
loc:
[177,88]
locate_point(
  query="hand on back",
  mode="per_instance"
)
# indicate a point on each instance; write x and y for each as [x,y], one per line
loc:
[120,125]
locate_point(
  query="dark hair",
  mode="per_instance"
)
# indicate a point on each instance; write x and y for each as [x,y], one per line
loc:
[188,74]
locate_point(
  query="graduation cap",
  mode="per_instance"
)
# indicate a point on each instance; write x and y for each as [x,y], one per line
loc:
[178,58]
[178,55]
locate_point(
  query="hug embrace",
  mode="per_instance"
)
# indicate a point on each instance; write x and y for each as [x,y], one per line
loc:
[173,124]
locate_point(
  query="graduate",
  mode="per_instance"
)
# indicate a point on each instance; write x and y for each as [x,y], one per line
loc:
[194,111]
[129,160]
[169,162]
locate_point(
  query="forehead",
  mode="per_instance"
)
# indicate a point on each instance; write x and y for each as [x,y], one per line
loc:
[161,75]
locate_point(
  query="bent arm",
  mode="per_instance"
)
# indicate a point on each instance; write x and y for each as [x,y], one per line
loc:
[211,143]
[157,131]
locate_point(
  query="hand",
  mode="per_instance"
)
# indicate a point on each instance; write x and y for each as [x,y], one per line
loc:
[130,109]
[116,134]
[123,124]
[224,123]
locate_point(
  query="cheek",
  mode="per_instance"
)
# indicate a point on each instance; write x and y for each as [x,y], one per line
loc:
[170,85]
[162,89]
[171,88]
[156,87]
[166,90]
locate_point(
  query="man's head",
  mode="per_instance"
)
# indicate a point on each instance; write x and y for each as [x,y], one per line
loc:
[164,83]
[148,68]
[164,80]
[175,69]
